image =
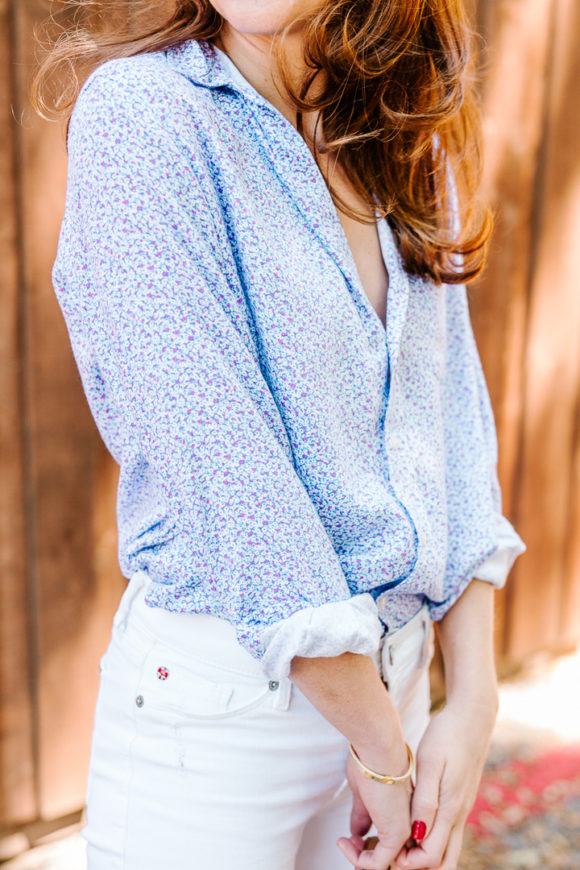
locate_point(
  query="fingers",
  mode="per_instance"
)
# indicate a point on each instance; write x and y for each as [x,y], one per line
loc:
[425,797]
[378,858]
[430,852]
[351,848]
[454,848]
[381,855]
[360,821]
[451,857]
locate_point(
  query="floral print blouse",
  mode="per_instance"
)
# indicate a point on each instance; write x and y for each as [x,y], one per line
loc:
[287,463]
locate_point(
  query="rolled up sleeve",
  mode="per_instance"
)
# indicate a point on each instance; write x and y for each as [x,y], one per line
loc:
[509,545]
[485,538]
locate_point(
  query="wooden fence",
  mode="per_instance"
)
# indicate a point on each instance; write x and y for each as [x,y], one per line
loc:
[60,582]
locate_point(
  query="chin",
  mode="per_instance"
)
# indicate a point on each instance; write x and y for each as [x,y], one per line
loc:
[260,16]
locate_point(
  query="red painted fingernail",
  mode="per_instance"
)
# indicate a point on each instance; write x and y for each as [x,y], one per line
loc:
[418,830]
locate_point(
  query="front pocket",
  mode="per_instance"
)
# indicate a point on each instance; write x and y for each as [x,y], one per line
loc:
[191,687]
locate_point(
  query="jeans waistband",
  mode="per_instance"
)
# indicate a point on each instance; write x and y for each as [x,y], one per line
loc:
[198,634]
[418,626]
[214,639]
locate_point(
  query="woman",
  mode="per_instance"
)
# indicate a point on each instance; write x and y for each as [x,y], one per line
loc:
[306,482]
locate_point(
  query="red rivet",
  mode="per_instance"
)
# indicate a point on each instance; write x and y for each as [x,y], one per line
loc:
[162,673]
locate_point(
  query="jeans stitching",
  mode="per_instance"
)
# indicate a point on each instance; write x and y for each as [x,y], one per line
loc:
[137,625]
[177,709]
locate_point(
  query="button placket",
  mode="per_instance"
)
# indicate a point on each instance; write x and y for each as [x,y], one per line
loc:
[396,441]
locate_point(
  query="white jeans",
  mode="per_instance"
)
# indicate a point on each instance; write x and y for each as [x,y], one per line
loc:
[198,762]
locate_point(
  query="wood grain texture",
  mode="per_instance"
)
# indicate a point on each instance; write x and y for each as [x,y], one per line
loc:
[552,358]
[17,738]
[516,51]
[514,48]
[73,609]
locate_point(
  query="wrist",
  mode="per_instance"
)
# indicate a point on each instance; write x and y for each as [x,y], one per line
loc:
[386,754]
[481,700]
[382,777]
[471,679]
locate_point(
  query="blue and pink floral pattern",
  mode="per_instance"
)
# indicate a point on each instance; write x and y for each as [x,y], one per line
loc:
[286,462]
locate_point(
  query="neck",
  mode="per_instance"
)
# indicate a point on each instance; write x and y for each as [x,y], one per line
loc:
[253,55]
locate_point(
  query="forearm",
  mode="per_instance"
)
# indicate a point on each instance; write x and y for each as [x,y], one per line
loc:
[349,692]
[465,635]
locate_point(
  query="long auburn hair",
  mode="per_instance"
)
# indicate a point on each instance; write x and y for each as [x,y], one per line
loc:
[397,104]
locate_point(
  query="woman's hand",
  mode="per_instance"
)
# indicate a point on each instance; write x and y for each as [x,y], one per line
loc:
[450,762]
[452,752]
[387,806]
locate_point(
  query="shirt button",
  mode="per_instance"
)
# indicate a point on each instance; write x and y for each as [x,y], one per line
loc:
[139,700]
[396,441]
[273,685]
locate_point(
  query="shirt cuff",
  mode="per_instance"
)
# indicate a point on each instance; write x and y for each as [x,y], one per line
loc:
[496,567]
[352,625]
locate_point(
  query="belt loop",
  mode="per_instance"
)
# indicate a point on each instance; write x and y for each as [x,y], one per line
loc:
[426,621]
[133,588]
[283,694]
[386,657]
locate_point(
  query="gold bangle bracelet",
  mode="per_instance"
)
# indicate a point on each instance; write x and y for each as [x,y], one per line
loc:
[379,777]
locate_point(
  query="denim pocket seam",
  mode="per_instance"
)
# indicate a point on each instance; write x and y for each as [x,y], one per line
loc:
[137,625]
[223,691]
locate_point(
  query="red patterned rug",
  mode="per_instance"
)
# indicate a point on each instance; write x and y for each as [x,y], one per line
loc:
[527,814]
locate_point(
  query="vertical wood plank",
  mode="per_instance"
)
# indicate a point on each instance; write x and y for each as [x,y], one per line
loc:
[17,788]
[513,97]
[513,63]
[552,357]
[73,600]
[564,150]
[570,604]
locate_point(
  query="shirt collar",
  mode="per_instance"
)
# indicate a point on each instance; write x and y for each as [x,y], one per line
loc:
[205,65]
[202,64]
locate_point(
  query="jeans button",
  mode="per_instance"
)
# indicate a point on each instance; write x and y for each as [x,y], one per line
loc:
[273,685]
